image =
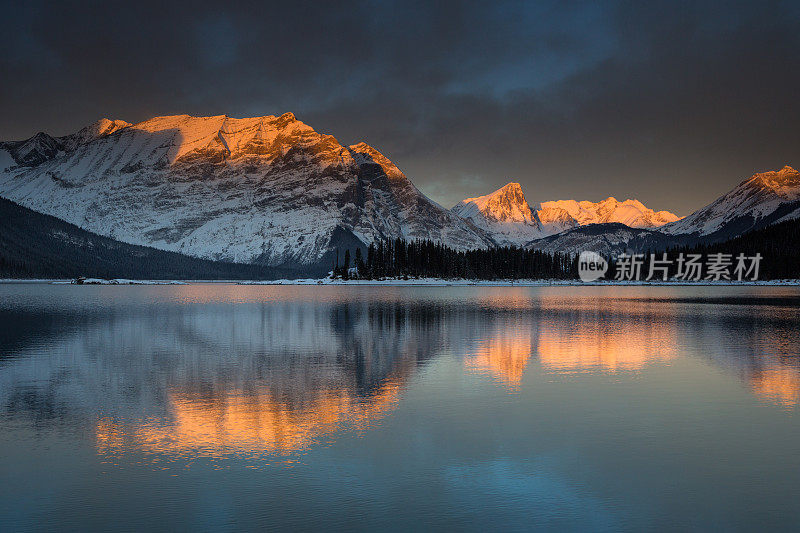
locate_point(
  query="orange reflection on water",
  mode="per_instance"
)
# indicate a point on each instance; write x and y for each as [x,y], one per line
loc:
[574,347]
[247,422]
[611,350]
[779,385]
[503,356]
[505,298]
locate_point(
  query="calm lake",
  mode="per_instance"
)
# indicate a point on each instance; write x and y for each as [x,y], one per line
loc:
[226,407]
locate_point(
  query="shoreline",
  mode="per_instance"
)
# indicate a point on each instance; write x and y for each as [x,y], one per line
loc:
[422,282]
[437,282]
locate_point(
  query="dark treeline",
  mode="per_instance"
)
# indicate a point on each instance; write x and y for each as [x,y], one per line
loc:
[424,258]
[778,244]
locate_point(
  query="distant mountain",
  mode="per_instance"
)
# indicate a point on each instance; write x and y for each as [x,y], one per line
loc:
[764,199]
[505,214]
[757,202]
[508,217]
[265,190]
[561,215]
[33,245]
[609,239]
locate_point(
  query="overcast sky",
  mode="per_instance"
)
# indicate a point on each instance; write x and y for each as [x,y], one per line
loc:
[672,103]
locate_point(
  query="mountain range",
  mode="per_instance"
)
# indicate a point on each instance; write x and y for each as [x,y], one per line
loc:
[763,199]
[272,191]
[265,190]
[506,215]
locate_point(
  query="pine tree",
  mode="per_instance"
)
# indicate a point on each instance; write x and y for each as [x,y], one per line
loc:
[359,262]
[346,269]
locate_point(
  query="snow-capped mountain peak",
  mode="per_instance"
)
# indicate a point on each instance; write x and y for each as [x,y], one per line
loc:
[93,131]
[187,138]
[364,154]
[100,128]
[43,147]
[32,151]
[630,212]
[268,189]
[762,199]
[785,182]
[506,204]
[504,213]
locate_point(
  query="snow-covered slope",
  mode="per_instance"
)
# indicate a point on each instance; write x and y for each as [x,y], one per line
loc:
[560,215]
[101,128]
[763,199]
[42,147]
[510,219]
[505,214]
[269,190]
[6,159]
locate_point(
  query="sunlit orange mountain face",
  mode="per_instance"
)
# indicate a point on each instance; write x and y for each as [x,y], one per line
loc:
[508,216]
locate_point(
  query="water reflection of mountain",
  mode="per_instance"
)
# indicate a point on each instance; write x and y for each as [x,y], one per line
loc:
[291,370]
[757,338]
[279,375]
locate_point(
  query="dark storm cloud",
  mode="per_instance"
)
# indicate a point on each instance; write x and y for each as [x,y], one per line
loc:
[672,103]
